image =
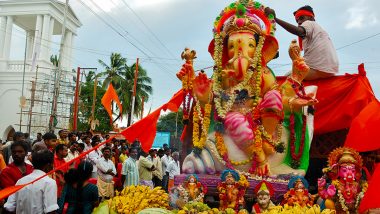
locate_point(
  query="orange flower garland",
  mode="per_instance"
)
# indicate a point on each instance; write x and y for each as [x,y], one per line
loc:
[200,142]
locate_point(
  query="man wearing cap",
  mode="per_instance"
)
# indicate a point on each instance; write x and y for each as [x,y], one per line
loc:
[319,52]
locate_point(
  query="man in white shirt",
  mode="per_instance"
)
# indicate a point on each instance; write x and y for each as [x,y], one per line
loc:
[73,153]
[173,169]
[106,172]
[93,157]
[87,143]
[319,52]
[166,159]
[39,197]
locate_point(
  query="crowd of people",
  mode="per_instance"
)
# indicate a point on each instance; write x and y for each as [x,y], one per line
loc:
[79,186]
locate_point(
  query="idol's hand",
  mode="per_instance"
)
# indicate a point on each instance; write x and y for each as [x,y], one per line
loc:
[202,88]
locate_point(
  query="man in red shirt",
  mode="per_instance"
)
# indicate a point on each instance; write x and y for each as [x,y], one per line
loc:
[18,169]
[61,152]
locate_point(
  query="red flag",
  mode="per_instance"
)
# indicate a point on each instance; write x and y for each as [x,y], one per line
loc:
[146,128]
[175,102]
[363,132]
[341,99]
[371,199]
[107,99]
[10,190]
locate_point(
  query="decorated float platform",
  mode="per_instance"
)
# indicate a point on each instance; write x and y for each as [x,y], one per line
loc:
[245,127]
[211,182]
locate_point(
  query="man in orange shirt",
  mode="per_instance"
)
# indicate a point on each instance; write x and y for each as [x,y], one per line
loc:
[61,152]
[2,161]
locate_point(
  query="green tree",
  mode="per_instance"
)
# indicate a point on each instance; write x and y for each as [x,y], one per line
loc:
[85,105]
[167,123]
[114,72]
[122,78]
[143,89]
[54,60]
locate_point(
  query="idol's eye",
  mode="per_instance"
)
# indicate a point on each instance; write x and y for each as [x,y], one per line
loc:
[251,45]
[231,46]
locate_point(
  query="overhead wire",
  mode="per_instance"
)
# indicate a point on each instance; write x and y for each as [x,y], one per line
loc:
[360,40]
[162,64]
[106,53]
[147,27]
[134,45]
[120,26]
[65,55]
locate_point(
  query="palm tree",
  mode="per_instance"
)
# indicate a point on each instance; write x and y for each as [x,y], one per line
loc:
[122,78]
[143,89]
[114,72]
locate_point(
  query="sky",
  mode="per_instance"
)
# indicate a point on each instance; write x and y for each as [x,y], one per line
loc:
[157,31]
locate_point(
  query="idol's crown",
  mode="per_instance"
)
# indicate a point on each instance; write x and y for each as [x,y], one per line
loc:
[241,24]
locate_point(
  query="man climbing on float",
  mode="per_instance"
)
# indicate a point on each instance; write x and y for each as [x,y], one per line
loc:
[319,52]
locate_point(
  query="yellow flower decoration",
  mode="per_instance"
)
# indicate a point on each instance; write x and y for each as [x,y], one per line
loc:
[201,142]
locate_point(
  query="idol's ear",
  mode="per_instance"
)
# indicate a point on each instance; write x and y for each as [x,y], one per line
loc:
[211,49]
[270,49]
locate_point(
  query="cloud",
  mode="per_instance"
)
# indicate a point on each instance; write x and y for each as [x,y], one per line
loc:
[360,17]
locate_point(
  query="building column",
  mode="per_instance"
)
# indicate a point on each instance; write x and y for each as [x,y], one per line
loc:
[44,38]
[37,37]
[29,45]
[8,38]
[3,24]
[50,38]
[67,50]
[71,51]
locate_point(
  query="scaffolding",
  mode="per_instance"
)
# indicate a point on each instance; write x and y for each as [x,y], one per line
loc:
[36,115]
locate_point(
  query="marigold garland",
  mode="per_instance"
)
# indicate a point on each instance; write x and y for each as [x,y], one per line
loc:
[268,137]
[342,200]
[200,142]
[223,107]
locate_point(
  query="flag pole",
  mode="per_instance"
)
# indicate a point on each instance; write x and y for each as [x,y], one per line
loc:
[142,107]
[94,99]
[76,99]
[134,90]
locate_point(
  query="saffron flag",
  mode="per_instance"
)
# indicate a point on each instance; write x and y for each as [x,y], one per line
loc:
[145,129]
[371,199]
[341,99]
[107,99]
[363,132]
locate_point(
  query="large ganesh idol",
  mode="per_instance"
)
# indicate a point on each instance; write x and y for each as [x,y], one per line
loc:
[238,112]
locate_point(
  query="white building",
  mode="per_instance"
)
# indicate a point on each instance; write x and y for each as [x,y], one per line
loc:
[41,20]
